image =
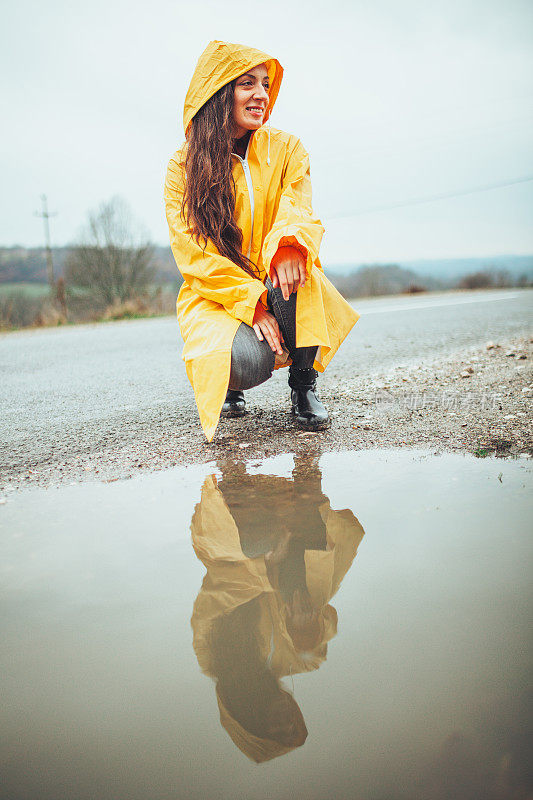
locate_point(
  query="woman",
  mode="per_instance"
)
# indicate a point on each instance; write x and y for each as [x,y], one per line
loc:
[244,236]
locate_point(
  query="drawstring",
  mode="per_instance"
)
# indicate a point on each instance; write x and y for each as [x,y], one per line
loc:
[268,149]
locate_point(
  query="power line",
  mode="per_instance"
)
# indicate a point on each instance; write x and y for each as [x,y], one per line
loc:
[415,201]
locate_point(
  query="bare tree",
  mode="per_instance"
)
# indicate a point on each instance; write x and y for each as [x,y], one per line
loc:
[111,259]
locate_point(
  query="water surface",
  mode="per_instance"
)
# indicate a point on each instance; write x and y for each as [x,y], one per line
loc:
[321,626]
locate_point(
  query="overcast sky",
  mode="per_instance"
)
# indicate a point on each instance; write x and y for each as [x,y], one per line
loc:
[395,100]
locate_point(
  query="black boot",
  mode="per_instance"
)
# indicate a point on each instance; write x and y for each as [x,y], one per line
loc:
[309,411]
[234,404]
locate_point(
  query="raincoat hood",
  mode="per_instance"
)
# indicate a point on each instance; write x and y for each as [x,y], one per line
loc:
[220,63]
[257,748]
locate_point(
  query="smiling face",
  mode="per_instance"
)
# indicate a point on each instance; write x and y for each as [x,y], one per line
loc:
[250,100]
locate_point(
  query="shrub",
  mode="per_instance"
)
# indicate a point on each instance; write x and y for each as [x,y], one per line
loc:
[18,310]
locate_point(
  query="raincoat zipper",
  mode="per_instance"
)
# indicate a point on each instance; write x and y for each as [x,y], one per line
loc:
[248,178]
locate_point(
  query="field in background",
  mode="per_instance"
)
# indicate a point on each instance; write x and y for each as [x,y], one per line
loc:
[29,289]
[43,290]
[24,305]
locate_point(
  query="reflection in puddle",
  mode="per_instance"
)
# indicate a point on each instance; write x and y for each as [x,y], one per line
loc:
[275,553]
[425,691]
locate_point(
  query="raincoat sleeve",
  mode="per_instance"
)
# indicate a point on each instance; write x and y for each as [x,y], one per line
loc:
[295,223]
[206,272]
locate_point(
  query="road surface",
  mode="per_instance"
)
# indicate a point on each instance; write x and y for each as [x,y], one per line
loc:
[72,393]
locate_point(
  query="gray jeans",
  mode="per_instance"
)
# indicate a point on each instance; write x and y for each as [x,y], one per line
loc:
[252,360]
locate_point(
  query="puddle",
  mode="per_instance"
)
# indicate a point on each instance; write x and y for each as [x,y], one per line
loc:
[349,625]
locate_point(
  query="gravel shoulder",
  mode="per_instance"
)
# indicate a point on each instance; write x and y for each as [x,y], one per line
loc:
[477,401]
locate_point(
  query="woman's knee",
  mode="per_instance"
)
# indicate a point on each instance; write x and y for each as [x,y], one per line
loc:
[252,360]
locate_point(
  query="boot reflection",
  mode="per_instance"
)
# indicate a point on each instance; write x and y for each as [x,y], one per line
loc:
[275,554]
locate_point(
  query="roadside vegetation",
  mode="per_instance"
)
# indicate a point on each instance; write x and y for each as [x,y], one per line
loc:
[114,272]
[111,272]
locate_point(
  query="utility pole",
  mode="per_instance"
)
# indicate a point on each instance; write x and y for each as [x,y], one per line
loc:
[45,214]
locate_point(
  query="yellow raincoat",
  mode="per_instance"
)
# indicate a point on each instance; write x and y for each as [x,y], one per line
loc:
[272,208]
[233,579]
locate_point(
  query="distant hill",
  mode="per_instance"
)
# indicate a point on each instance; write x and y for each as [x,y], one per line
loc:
[376,279]
[445,269]
[28,265]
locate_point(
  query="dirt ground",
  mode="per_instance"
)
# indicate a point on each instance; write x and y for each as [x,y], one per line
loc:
[477,401]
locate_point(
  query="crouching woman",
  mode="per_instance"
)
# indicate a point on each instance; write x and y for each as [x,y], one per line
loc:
[246,240]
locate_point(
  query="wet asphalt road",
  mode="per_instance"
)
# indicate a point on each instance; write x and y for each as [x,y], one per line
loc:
[75,390]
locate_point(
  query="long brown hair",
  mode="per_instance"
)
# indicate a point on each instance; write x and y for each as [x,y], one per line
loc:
[209,200]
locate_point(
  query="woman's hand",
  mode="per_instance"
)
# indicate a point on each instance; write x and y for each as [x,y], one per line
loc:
[266,327]
[288,270]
